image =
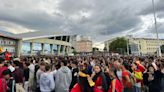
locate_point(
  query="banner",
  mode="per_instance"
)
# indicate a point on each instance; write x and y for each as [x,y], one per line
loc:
[1,49]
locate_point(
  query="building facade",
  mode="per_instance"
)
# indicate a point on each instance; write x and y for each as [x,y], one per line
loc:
[54,45]
[38,43]
[139,46]
[10,44]
[145,45]
[84,46]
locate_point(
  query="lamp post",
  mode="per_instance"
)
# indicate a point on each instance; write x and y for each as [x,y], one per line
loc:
[155,23]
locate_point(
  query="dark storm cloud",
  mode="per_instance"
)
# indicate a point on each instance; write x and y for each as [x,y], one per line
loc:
[98,19]
[160,29]
[159,7]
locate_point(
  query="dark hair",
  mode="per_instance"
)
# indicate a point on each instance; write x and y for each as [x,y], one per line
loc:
[75,62]
[47,68]
[99,66]
[31,61]
[16,63]
[42,63]
[27,63]
[1,60]
[150,66]
[114,70]
[64,62]
[6,72]
[126,65]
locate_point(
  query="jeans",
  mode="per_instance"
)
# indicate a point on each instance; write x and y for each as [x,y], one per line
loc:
[137,89]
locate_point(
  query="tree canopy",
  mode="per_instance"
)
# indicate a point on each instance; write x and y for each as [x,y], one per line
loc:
[118,45]
[162,48]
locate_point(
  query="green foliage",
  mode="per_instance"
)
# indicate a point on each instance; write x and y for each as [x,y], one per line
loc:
[118,45]
[74,52]
[162,48]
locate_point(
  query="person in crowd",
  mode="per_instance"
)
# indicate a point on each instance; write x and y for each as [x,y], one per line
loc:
[99,79]
[117,65]
[83,85]
[126,73]
[18,76]
[31,75]
[40,71]
[2,67]
[47,83]
[152,79]
[3,80]
[115,85]
[127,79]
[75,71]
[138,70]
[64,74]
[108,79]
[35,78]
[26,75]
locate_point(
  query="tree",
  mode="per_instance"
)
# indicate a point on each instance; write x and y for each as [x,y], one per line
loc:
[74,52]
[119,45]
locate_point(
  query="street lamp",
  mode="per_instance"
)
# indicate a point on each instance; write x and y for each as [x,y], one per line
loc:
[155,23]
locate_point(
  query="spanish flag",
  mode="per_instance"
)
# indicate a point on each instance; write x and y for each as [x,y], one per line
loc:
[1,49]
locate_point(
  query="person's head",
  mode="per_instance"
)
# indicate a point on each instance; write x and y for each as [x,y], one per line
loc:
[57,66]
[6,74]
[42,66]
[151,69]
[125,65]
[26,64]
[74,64]
[134,66]
[2,60]
[83,66]
[97,68]
[117,64]
[16,63]
[32,61]
[63,63]
[47,68]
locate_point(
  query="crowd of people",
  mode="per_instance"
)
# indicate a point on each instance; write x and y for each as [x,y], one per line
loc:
[82,74]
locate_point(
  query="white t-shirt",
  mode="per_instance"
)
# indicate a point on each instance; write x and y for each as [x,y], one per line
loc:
[119,74]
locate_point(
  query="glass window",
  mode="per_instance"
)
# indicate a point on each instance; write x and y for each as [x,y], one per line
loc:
[47,48]
[25,48]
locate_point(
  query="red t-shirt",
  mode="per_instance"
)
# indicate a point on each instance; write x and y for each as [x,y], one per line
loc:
[98,82]
[118,86]
[76,88]
[124,81]
[3,85]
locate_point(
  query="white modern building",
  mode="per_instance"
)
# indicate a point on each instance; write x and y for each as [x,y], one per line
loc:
[44,43]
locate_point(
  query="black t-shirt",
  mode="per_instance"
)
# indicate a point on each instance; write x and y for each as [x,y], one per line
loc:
[26,74]
[155,84]
[74,77]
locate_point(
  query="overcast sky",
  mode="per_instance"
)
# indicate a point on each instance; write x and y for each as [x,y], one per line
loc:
[100,19]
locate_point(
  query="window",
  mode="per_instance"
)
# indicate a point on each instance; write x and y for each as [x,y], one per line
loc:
[26,48]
